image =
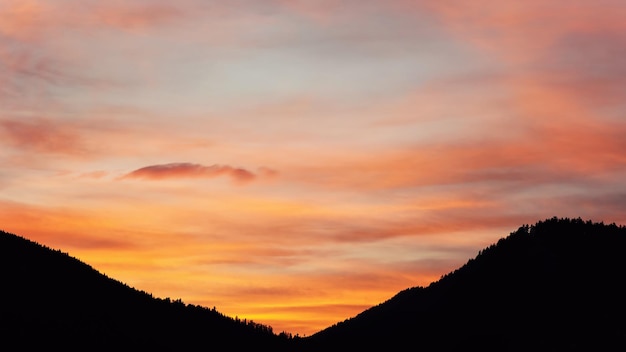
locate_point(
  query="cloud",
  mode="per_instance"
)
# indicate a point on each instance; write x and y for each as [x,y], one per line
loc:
[95,136]
[138,17]
[189,170]
[30,53]
[521,30]
[32,19]
[62,228]
[36,73]
[427,223]
[42,135]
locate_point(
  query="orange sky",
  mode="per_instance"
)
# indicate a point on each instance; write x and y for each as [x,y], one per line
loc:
[295,162]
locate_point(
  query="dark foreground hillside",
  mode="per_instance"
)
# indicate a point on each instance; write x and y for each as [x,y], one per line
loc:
[553,286]
[51,301]
[558,285]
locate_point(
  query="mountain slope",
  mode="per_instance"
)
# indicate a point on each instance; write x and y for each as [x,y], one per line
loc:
[555,286]
[49,299]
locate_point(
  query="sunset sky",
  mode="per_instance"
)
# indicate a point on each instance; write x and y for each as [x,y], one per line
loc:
[296,162]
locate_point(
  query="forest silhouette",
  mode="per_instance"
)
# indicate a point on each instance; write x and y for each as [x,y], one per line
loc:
[49,299]
[557,285]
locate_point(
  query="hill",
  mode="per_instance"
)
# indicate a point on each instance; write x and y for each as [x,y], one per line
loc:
[53,301]
[555,286]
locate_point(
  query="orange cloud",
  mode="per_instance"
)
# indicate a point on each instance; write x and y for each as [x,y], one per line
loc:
[29,19]
[58,227]
[575,48]
[189,170]
[20,18]
[521,31]
[549,139]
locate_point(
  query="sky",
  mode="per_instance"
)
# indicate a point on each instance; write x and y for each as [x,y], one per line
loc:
[296,162]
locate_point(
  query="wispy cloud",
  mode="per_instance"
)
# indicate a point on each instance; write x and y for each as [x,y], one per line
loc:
[189,170]
[42,135]
[138,16]
[32,61]
[59,227]
[29,19]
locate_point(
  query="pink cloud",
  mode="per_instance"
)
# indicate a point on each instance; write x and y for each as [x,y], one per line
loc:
[521,30]
[128,17]
[189,170]
[42,135]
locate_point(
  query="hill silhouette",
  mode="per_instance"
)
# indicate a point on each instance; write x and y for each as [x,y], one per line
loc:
[53,301]
[557,285]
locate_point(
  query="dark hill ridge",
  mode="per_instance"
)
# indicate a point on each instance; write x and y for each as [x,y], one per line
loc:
[51,300]
[555,286]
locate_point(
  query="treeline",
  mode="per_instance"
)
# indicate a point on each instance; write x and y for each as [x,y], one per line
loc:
[560,235]
[556,285]
[49,299]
